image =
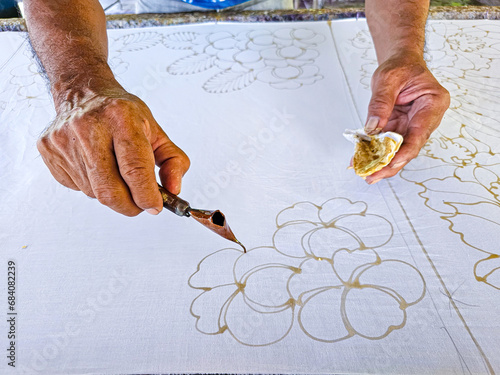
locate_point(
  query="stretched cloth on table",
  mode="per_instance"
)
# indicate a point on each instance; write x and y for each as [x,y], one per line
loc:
[341,277]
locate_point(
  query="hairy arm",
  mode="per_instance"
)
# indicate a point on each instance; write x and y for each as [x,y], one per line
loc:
[397,26]
[104,140]
[70,40]
[406,98]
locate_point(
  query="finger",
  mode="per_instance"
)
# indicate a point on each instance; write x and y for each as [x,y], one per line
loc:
[396,164]
[136,164]
[79,176]
[398,122]
[55,168]
[173,162]
[62,176]
[78,172]
[171,173]
[398,125]
[421,126]
[69,159]
[385,90]
[106,181]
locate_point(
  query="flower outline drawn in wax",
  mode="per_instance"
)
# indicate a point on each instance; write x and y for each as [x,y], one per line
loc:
[460,180]
[258,297]
[284,59]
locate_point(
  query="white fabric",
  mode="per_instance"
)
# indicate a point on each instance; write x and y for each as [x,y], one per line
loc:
[398,277]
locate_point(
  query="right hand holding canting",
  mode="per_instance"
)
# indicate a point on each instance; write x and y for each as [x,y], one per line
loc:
[107,146]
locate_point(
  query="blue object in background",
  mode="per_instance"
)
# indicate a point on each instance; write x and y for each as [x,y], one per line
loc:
[8,9]
[215,4]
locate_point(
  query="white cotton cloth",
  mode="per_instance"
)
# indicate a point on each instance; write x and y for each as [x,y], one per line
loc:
[340,276]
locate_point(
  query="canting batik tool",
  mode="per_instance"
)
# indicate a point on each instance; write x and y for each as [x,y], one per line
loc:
[213,220]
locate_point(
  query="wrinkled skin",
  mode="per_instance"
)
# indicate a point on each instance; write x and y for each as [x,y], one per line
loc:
[406,99]
[107,147]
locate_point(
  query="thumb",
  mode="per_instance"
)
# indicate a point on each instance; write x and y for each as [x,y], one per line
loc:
[173,163]
[384,95]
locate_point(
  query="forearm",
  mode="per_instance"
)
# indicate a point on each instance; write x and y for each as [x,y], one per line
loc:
[69,37]
[397,26]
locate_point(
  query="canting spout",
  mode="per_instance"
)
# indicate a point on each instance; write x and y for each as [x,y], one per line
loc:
[216,222]
[213,220]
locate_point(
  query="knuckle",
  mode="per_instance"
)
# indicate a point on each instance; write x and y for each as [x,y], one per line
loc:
[107,196]
[445,97]
[43,144]
[84,186]
[111,197]
[65,182]
[428,135]
[383,71]
[146,201]
[72,187]
[385,74]
[89,193]
[135,172]
[105,189]
[428,130]
[116,106]
[186,162]
[395,168]
[123,107]
[102,183]
[391,172]
[58,138]
[413,153]
[379,105]
[378,102]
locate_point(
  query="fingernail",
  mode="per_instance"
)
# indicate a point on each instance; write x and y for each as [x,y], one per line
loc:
[371,125]
[152,211]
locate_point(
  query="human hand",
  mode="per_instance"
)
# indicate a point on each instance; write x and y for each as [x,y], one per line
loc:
[106,145]
[406,99]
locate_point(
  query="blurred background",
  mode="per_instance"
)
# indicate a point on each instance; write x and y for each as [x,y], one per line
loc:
[13,8]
